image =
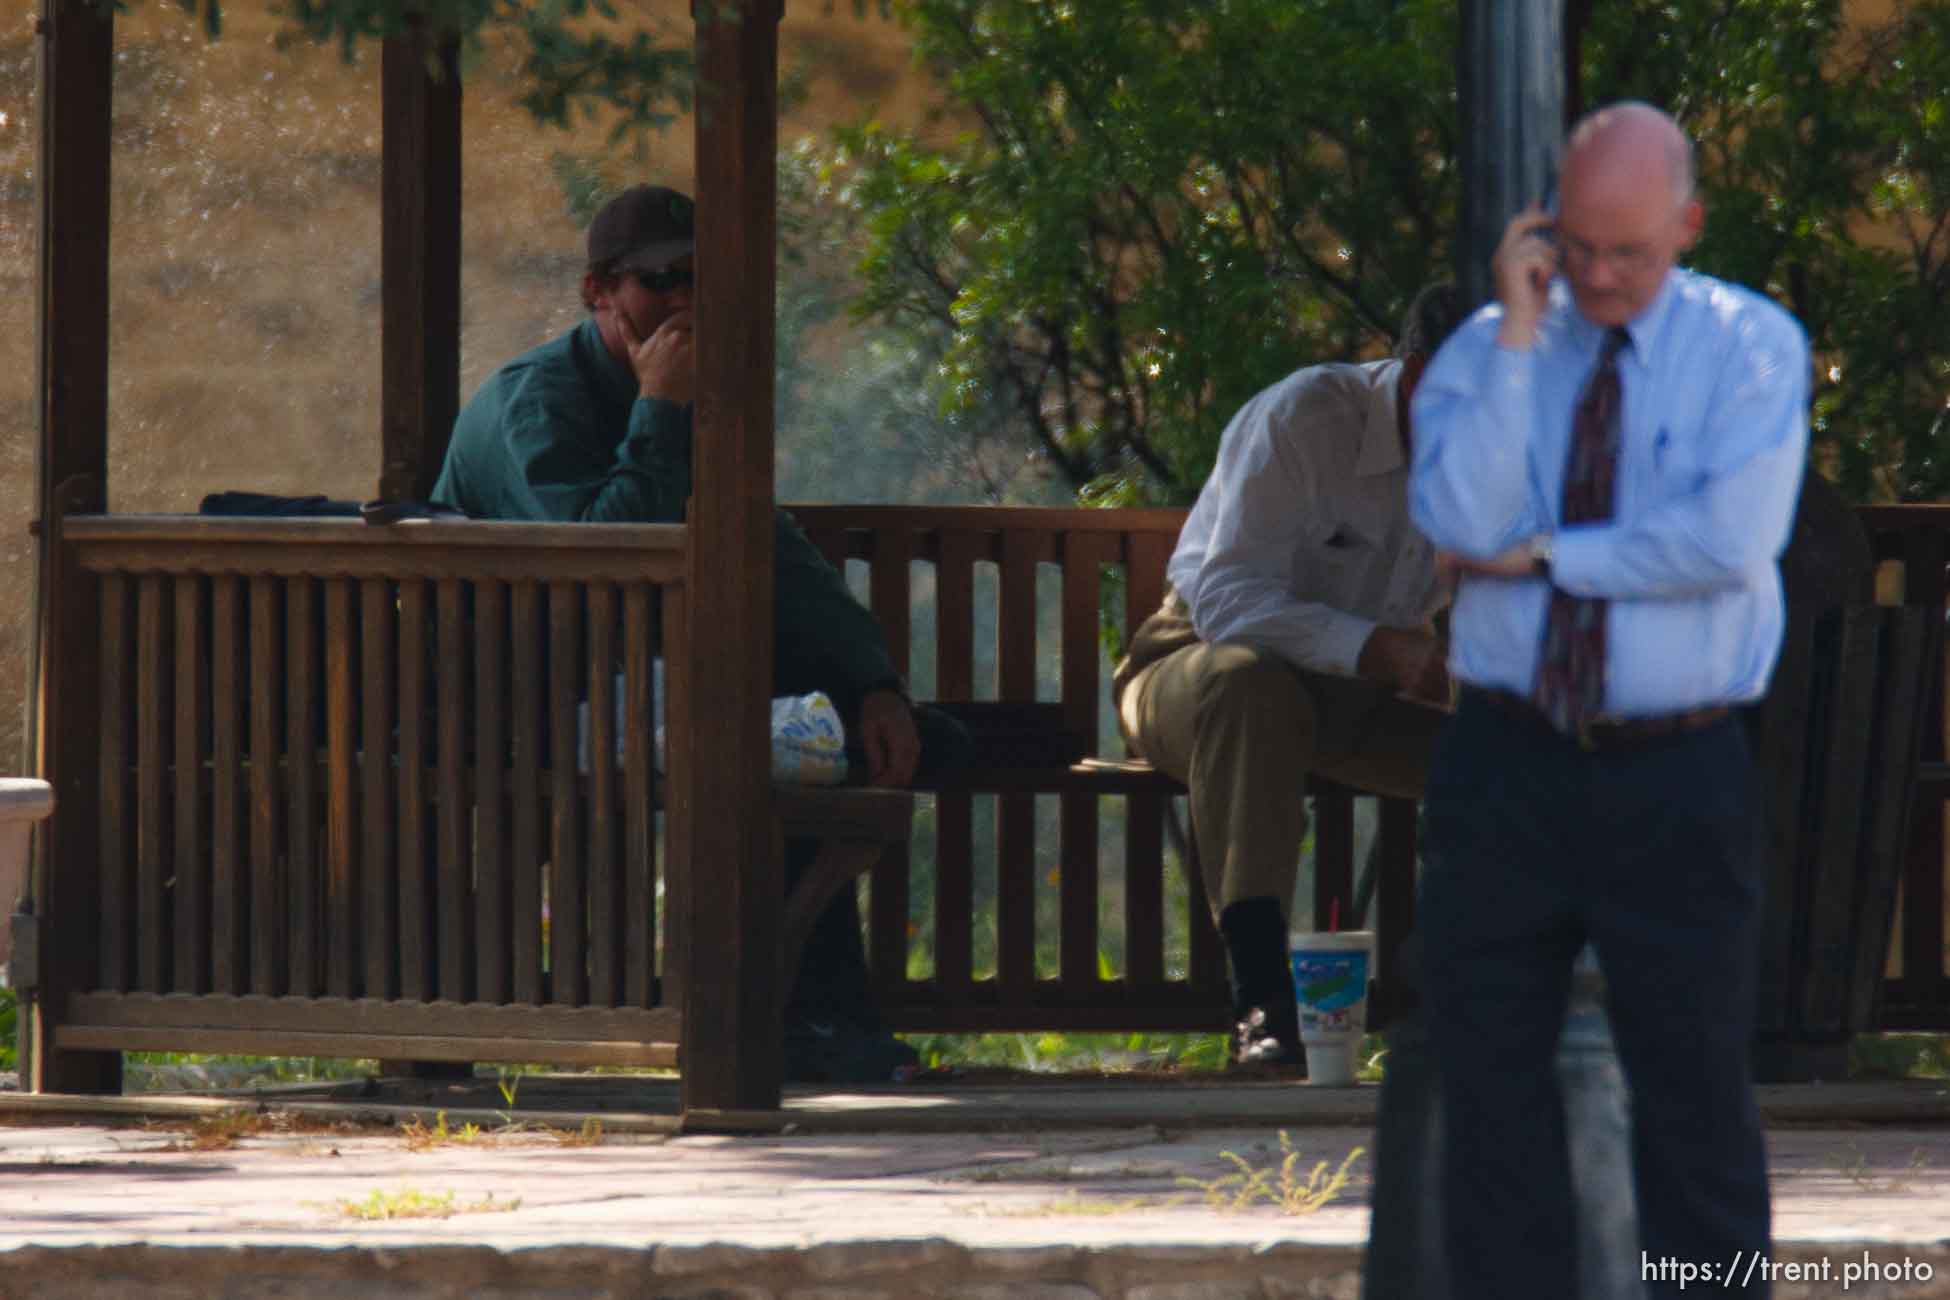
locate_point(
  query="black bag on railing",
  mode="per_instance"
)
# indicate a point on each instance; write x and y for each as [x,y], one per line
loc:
[265,505]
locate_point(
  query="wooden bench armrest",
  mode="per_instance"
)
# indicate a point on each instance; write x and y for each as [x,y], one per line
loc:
[855,826]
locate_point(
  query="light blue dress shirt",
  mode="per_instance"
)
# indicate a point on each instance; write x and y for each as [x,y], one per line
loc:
[1713,438]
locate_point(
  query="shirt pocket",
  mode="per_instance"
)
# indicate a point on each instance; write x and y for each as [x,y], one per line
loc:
[1330,569]
[1676,463]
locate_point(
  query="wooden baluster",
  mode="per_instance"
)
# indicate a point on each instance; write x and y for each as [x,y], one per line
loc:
[527,694]
[454,905]
[341,910]
[954,676]
[639,798]
[1084,555]
[678,865]
[119,892]
[192,865]
[230,883]
[1015,884]
[379,863]
[416,951]
[494,944]
[567,946]
[891,599]
[269,905]
[304,690]
[602,826]
[155,892]
[1144,814]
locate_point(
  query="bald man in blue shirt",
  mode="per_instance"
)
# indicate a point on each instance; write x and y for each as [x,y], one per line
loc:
[1611,453]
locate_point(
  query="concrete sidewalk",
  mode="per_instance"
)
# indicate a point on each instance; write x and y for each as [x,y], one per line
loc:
[1059,1193]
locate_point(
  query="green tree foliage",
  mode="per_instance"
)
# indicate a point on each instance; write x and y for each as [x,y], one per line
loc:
[1161,207]
[1823,160]
[1158,207]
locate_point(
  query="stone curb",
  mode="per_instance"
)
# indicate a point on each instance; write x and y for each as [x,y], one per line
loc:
[891,1270]
[1802,1105]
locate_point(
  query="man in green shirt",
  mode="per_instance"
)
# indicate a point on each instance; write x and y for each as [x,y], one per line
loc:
[596,425]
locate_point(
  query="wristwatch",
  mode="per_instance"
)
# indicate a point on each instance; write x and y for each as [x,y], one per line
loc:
[1542,550]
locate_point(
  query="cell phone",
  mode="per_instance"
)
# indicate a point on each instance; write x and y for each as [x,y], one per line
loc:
[1549,204]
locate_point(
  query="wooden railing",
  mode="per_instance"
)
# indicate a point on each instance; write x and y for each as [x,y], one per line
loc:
[340,804]
[341,811]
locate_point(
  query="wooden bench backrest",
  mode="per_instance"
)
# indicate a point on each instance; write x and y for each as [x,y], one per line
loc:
[1046,927]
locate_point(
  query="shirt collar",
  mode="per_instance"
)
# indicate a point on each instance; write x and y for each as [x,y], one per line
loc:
[618,380]
[1645,328]
[1381,439]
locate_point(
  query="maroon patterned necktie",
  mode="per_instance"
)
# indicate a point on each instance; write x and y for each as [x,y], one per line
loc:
[1570,685]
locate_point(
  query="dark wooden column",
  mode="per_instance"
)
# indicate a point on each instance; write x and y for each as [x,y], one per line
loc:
[731,1014]
[77,66]
[419,259]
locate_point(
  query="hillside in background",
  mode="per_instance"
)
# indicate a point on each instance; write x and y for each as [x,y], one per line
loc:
[244,303]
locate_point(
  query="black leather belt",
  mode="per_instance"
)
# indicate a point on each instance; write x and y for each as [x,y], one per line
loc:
[1604,733]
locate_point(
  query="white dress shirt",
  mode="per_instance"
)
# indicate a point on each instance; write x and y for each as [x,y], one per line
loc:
[1300,541]
[1712,440]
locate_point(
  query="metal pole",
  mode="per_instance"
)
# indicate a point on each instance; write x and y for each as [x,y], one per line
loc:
[1510,78]
[1510,72]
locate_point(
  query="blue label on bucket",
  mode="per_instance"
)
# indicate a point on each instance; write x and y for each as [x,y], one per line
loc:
[1330,981]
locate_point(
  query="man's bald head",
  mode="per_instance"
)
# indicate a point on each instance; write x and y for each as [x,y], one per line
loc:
[1627,210]
[1637,137]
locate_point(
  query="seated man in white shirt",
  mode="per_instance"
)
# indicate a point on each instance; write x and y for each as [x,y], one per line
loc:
[1295,637]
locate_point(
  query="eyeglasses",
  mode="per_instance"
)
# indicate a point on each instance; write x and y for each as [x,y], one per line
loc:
[1624,259]
[665,281]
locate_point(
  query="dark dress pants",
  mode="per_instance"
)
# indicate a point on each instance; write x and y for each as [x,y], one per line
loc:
[1653,854]
[833,979]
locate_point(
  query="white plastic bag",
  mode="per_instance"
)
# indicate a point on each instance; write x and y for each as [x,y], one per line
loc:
[808,741]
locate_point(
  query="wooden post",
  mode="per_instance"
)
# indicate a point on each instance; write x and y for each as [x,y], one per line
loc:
[721,787]
[77,66]
[419,240]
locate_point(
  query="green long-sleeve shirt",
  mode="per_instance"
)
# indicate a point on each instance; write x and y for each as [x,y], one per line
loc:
[559,433]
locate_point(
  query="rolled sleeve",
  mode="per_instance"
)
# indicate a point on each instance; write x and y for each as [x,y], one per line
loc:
[1471,491]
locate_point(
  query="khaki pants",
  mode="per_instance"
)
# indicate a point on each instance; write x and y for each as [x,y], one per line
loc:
[1242,727]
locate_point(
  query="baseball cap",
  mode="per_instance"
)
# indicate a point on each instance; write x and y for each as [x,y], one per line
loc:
[645,228]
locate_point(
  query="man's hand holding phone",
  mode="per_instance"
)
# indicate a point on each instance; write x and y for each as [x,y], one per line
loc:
[1524,263]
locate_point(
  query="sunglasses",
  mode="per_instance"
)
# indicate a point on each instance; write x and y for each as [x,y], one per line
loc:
[665,281]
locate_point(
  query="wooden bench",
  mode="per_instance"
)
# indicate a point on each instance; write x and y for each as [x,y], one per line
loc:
[1010,619]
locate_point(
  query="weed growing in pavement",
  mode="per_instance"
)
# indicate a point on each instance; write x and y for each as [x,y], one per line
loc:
[222,1131]
[1855,1167]
[589,1135]
[1078,1205]
[410,1204]
[1280,1184]
[420,1137]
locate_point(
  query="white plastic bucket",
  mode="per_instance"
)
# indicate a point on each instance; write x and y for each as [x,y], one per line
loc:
[23,801]
[1330,982]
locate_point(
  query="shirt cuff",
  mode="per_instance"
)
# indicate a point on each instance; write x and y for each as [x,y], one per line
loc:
[659,434]
[1577,555]
[1340,643]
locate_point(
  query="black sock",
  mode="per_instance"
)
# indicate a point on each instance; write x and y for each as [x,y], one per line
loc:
[1254,930]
